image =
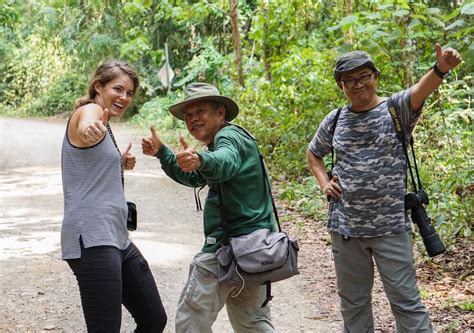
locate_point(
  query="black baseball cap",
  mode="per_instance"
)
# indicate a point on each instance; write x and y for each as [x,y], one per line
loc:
[352,60]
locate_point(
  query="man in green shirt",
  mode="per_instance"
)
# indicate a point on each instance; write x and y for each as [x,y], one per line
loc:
[232,163]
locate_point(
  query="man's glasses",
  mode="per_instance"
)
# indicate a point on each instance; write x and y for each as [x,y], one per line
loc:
[364,79]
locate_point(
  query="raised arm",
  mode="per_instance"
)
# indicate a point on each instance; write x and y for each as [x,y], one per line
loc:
[446,60]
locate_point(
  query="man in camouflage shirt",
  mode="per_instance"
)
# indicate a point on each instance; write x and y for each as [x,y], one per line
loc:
[367,218]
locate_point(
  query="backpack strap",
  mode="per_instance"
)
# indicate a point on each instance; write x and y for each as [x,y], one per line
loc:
[266,181]
[333,130]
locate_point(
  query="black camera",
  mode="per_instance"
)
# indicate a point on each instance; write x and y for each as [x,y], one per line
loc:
[415,202]
[132,216]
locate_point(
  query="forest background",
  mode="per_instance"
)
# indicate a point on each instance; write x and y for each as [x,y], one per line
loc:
[275,58]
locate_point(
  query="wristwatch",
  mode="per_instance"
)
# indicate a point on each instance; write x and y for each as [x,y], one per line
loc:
[438,73]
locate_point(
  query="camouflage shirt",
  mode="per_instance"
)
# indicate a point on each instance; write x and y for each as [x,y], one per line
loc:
[371,166]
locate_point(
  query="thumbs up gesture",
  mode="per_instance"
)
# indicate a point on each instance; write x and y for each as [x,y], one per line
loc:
[188,159]
[96,130]
[128,159]
[447,58]
[152,144]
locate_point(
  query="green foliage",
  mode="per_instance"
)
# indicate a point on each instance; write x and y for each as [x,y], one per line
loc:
[205,65]
[453,326]
[285,113]
[305,195]
[36,69]
[444,146]
[465,305]
[50,47]
[155,112]
[60,96]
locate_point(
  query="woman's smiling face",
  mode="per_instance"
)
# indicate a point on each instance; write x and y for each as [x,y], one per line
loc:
[116,95]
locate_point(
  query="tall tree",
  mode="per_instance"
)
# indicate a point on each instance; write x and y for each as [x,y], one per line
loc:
[234,19]
[266,48]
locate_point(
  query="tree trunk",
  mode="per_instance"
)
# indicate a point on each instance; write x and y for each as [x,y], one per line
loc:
[266,48]
[234,19]
[152,28]
[348,11]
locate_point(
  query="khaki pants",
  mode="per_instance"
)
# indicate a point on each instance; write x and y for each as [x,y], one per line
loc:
[202,298]
[354,265]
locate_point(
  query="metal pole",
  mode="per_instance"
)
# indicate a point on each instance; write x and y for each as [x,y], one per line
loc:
[167,63]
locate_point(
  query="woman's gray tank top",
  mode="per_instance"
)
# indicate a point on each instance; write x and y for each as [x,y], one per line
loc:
[94,201]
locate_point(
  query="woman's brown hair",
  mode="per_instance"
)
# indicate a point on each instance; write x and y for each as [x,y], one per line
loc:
[106,72]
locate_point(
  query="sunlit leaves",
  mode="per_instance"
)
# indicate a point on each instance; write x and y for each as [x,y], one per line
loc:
[348,20]
[135,8]
[433,11]
[8,15]
[134,49]
[468,9]
[50,16]
[456,24]
[49,47]
[401,13]
[414,23]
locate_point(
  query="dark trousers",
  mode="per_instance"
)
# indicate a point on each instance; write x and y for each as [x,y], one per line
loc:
[109,277]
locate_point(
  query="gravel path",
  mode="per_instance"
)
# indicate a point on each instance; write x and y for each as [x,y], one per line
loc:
[38,292]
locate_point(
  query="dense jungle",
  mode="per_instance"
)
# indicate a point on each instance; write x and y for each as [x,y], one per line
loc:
[275,58]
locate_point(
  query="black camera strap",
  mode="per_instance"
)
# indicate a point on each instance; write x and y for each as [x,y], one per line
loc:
[219,190]
[132,207]
[433,243]
[266,186]
[116,146]
[402,137]
[338,113]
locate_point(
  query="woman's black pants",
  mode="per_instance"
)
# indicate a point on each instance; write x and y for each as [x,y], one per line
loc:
[109,277]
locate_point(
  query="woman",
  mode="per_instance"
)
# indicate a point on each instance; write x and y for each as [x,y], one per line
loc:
[109,268]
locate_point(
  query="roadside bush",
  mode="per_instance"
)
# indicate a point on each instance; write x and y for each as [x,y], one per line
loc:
[155,112]
[59,97]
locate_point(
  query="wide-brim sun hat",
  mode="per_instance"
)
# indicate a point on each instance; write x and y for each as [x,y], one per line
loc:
[352,60]
[200,91]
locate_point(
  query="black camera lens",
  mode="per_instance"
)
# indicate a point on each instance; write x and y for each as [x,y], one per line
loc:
[433,245]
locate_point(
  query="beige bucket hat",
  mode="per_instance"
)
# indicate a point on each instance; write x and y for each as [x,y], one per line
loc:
[200,91]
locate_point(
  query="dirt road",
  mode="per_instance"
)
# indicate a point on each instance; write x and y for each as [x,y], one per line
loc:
[39,293]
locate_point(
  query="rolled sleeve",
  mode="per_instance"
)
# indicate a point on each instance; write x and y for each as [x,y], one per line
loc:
[408,116]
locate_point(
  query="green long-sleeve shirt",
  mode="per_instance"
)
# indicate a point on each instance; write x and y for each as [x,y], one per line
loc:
[232,160]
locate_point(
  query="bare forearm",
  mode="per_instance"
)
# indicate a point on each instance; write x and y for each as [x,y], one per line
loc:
[329,187]
[423,88]
[316,165]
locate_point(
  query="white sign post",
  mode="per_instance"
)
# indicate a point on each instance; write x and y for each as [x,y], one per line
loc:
[166,73]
